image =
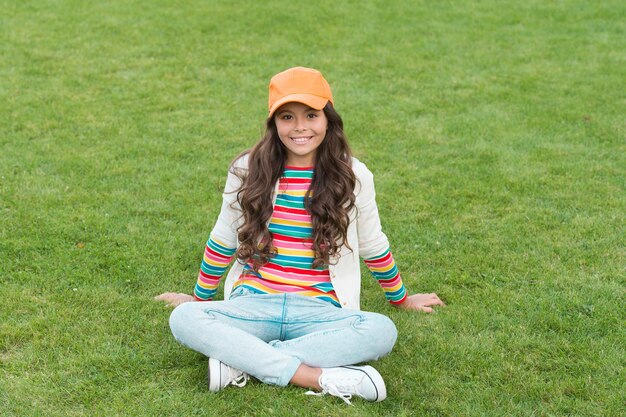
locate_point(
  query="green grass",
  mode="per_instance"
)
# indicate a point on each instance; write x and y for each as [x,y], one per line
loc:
[496,133]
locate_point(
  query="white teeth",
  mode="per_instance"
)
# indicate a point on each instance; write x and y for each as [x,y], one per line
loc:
[301,140]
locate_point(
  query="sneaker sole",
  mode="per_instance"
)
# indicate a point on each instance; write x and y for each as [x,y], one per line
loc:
[375,377]
[215,370]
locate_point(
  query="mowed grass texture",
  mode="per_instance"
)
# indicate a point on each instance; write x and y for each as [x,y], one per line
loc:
[496,133]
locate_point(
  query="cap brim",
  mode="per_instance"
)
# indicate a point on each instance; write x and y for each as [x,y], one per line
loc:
[314,102]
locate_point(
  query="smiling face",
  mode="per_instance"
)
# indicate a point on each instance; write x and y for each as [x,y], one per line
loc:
[301,129]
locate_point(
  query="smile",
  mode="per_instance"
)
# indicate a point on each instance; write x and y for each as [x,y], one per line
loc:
[301,140]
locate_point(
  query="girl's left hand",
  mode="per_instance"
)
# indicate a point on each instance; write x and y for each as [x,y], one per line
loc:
[421,302]
[174,299]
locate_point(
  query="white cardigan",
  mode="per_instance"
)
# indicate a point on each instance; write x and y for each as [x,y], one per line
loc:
[365,235]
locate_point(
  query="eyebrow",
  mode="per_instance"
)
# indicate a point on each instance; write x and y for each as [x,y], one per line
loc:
[287,111]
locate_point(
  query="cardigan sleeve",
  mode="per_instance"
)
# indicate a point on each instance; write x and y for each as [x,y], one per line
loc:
[225,229]
[372,240]
[373,243]
[222,243]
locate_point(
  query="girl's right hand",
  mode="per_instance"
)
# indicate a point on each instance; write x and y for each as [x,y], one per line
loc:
[174,299]
[422,302]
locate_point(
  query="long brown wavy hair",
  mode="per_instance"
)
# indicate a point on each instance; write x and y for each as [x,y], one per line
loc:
[329,199]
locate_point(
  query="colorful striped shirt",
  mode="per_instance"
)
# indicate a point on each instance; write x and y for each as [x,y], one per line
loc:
[290,270]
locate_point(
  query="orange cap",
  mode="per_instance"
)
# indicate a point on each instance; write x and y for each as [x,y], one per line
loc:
[299,84]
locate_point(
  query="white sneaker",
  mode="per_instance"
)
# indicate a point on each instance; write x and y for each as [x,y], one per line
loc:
[221,375]
[346,381]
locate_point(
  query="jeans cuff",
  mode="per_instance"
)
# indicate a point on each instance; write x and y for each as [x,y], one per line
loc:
[288,372]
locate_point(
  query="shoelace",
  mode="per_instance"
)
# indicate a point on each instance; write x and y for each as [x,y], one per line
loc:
[240,381]
[334,391]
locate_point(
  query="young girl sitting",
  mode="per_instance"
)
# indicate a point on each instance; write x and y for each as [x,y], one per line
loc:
[298,211]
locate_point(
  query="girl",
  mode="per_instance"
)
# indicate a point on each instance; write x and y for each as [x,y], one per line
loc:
[298,210]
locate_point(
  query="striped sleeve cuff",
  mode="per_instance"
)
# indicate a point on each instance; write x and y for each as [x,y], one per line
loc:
[215,261]
[384,269]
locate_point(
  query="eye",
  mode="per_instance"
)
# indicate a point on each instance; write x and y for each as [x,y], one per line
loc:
[286,117]
[312,115]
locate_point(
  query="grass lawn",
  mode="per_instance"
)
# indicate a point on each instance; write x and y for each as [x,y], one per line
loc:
[495,130]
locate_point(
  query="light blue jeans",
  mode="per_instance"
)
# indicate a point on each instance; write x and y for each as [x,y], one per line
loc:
[268,336]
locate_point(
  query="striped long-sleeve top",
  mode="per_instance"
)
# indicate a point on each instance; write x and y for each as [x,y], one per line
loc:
[290,270]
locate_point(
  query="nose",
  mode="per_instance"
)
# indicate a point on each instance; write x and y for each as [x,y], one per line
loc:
[300,124]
